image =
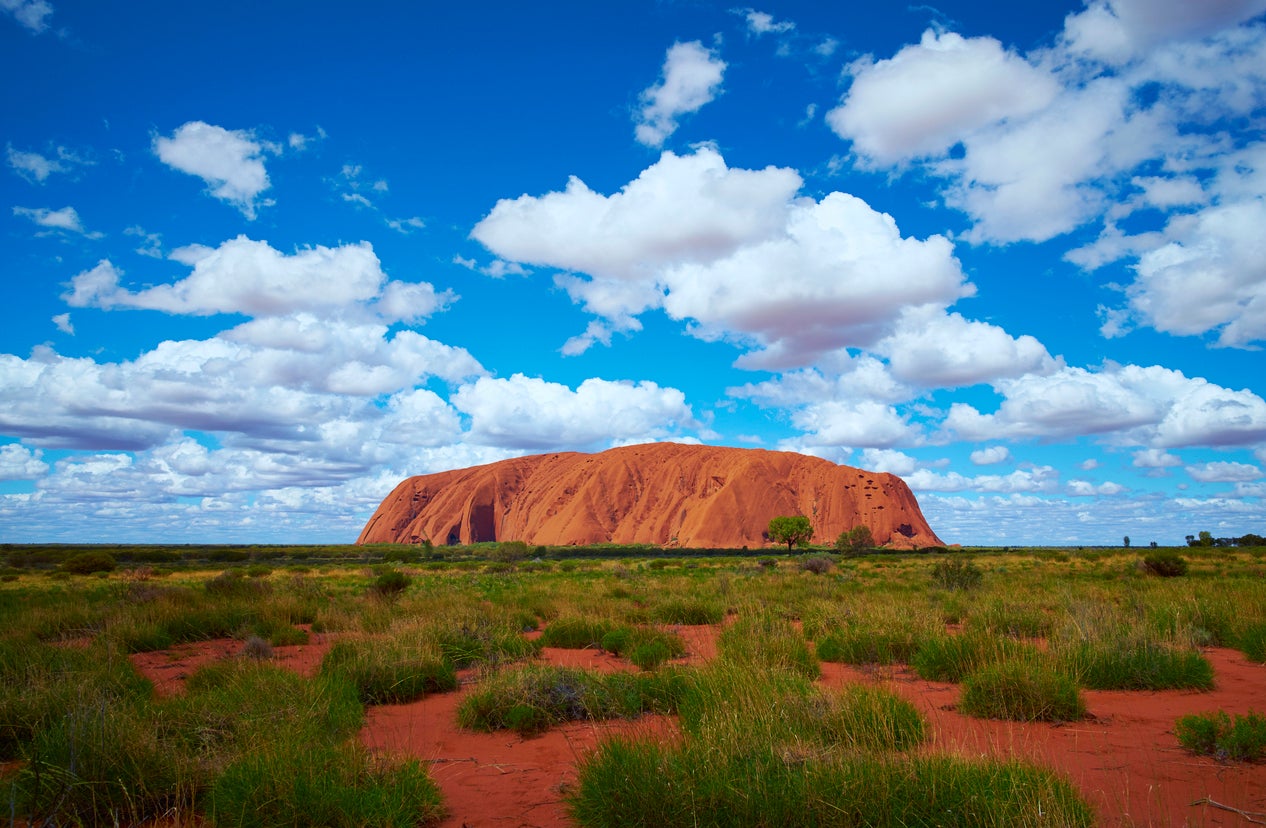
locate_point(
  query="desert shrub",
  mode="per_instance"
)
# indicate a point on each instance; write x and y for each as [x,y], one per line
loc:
[41,684]
[87,563]
[233,583]
[1136,664]
[689,611]
[511,551]
[854,541]
[952,658]
[101,764]
[1242,738]
[341,786]
[647,782]
[647,648]
[1166,564]
[388,672]
[533,698]
[257,648]
[402,555]
[258,570]
[817,564]
[1252,642]
[575,632]
[766,642]
[870,644]
[956,573]
[1021,691]
[390,583]
[483,641]
[650,654]
[1011,618]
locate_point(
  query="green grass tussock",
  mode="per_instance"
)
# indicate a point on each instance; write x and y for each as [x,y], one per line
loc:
[766,642]
[1136,665]
[1022,691]
[952,658]
[389,671]
[534,698]
[1238,738]
[339,786]
[628,782]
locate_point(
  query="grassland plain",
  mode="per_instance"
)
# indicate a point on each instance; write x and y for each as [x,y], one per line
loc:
[825,701]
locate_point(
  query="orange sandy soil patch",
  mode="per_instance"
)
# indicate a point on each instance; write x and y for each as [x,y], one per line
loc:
[168,669]
[1123,756]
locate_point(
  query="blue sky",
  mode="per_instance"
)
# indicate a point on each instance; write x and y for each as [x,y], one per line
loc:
[263,261]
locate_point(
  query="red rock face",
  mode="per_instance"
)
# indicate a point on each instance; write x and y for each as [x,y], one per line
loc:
[665,494]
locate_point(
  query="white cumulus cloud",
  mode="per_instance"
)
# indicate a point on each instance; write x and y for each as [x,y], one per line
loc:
[252,278]
[928,97]
[65,220]
[531,413]
[734,252]
[231,162]
[691,77]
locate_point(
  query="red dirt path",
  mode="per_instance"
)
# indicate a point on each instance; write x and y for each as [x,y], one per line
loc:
[1123,757]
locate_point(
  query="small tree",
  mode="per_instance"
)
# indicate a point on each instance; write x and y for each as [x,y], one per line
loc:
[791,530]
[855,539]
[1127,541]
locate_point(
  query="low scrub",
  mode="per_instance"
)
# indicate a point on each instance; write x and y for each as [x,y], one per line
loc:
[389,672]
[952,658]
[956,573]
[576,633]
[1238,738]
[1022,691]
[87,563]
[1252,642]
[766,642]
[534,698]
[1136,665]
[689,611]
[1165,564]
[858,644]
[645,647]
[628,782]
[340,786]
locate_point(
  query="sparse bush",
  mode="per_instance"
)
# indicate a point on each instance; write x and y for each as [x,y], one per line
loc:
[511,552]
[956,573]
[953,657]
[575,633]
[1165,564]
[341,786]
[854,541]
[1022,691]
[817,564]
[534,698]
[257,648]
[390,583]
[1252,642]
[1242,738]
[389,672]
[870,644]
[88,563]
[689,611]
[1136,664]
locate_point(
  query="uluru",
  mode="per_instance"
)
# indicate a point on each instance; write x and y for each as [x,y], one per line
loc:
[664,494]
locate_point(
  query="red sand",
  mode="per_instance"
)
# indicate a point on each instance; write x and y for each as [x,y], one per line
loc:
[168,669]
[1123,757]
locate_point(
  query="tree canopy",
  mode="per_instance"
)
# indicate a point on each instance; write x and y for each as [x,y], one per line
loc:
[793,530]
